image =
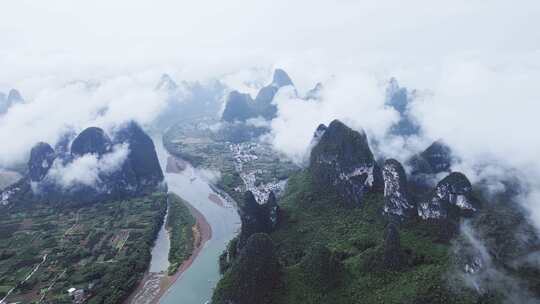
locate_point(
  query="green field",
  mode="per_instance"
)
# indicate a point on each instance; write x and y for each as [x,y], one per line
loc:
[103,248]
[180,224]
[204,147]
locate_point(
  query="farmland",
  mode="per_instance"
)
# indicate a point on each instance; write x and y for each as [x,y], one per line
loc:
[101,250]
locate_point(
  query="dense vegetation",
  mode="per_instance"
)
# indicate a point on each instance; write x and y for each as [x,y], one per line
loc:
[356,236]
[180,224]
[103,248]
[333,254]
[252,276]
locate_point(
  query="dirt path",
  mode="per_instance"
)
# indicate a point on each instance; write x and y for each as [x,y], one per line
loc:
[4,300]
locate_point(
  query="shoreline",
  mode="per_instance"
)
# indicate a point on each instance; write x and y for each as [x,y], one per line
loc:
[202,234]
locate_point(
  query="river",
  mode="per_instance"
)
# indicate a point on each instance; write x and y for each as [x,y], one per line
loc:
[196,284]
[160,252]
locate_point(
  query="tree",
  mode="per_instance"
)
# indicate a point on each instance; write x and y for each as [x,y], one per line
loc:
[252,276]
[321,267]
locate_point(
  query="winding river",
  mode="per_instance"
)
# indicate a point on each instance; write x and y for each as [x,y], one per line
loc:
[195,285]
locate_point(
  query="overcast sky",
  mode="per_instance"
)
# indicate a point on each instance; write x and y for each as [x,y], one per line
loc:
[468,54]
[475,63]
[62,38]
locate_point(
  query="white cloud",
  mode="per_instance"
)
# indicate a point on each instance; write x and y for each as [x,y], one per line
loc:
[357,100]
[86,170]
[258,122]
[60,108]
[476,64]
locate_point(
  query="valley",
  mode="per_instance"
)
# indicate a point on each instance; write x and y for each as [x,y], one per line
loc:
[231,220]
[219,223]
[243,161]
[269,152]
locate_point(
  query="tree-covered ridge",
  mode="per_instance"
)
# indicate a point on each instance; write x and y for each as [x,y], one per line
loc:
[318,237]
[341,240]
[252,276]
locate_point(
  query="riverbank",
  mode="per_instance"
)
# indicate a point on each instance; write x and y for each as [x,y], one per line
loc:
[202,232]
[155,285]
[197,278]
[175,165]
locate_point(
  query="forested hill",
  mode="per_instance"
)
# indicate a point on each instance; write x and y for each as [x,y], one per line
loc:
[351,230]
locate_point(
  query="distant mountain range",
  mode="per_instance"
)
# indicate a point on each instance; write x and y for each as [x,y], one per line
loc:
[9,99]
[240,107]
[188,100]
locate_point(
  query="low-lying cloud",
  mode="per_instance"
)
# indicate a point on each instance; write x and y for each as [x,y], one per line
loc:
[87,169]
[475,66]
[482,274]
[73,107]
[357,100]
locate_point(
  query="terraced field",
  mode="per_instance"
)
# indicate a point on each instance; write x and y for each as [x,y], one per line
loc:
[102,250]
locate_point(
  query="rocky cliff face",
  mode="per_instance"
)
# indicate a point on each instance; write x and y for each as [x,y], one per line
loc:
[397,201]
[437,158]
[42,157]
[451,197]
[343,160]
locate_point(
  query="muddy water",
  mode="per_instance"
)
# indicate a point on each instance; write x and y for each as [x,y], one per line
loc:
[152,286]
[160,252]
[196,284]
